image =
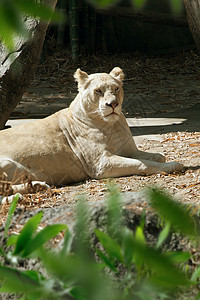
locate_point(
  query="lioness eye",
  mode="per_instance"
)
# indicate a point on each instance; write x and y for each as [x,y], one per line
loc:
[98,91]
[117,89]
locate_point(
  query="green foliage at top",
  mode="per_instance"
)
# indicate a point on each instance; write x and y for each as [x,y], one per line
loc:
[12,17]
[123,267]
[176,6]
[13,12]
[138,4]
[103,3]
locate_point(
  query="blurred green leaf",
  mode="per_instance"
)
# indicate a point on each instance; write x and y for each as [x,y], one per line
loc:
[42,237]
[11,23]
[138,4]
[34,275]
[82,228]
[67,242]
[149,291]
[195,275]
[12,240]
[16,281]
[163,235]
[176,6]
[173,212]
[2,251]
[110,245]
[139,236]
[139,239]
[12,16]
[12,13]
[6,35]
[168,274]
[66,268]
[127,246]
[165,282]
[27,233]
[106,260]
[114,213]
[103,3]
[178,257]
[79,293]
[10,214]
[34,9]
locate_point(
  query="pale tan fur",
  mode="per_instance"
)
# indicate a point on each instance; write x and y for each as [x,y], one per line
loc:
[91,138]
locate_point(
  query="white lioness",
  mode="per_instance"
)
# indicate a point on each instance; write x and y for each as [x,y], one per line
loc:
[90,139]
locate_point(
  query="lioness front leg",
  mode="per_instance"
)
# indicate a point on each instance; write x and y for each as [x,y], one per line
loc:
[159,157]
[117,166]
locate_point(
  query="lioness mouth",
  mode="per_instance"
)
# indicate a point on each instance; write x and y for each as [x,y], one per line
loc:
[113,113]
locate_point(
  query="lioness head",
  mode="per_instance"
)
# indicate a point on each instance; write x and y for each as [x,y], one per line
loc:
[101,93]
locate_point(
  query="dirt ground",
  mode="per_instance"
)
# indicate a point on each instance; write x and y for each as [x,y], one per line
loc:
[162,105]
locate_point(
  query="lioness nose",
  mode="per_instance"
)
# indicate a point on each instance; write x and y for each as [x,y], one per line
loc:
[112,104]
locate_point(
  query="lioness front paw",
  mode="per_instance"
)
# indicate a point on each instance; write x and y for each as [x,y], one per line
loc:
[159,157]
[174,167]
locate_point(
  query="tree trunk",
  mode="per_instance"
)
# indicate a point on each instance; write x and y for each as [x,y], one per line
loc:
[17,68]
[193,16]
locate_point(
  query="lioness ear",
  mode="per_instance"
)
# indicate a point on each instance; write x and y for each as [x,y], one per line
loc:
[117,73]
[81,77]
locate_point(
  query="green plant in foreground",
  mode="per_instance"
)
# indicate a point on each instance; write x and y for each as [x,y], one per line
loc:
[126,267]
